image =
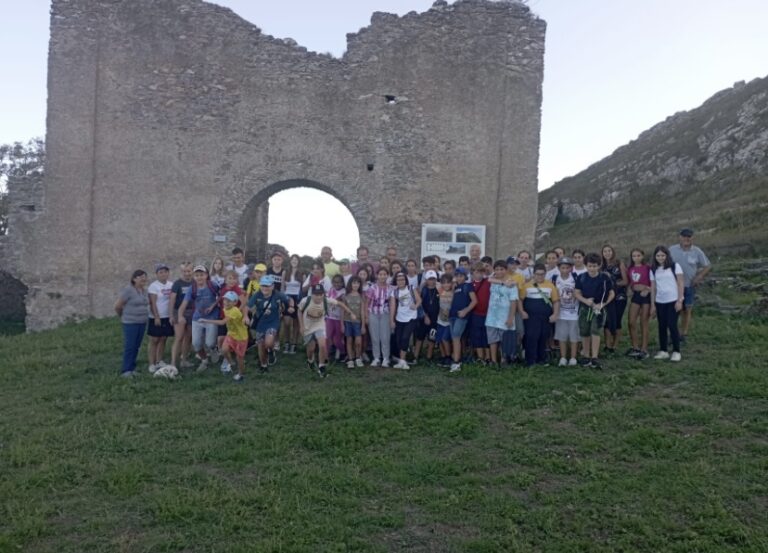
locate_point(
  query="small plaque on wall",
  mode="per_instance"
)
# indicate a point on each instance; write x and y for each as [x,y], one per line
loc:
[219,237]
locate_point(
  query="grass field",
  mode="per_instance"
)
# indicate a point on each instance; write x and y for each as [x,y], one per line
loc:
[640,457]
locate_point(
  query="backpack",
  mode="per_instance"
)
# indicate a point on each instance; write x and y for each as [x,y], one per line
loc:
[309,299]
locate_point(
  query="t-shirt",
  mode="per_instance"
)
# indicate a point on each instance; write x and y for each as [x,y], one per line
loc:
[446,300]
[579,271]
[163,300]
[639,274]
[482,289]
[378,299]
[313,313]
[236,289]
[311,280]
[430,303]
[136,306]
[544,291]
[355,304]
[218,280]
[690,261]
[569,305]
[666,283]
[236,329]
[292,287]
[252,287]
[206,301]
[517,277]
[498,306]
[596,288]
[461,298]
[242,272]
[268,309]
[180,288]
[554,271]
[405,304]
[277,278]
[614,271]
[334,313]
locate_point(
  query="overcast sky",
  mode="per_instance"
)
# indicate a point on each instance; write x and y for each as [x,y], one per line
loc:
[613,68]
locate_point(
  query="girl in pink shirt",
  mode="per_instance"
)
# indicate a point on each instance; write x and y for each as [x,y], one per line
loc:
[639,277]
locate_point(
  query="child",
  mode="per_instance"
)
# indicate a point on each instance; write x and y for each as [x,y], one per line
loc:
[267,307]
[377,300]
[541,307]
[404,303]
[464,301]
[236,340]
[426,327]
[345,271]
[639,276]
[218,272]
[412,272]
[292,279]
[443,335]
[667,285]
[524,257]
[578,262]
[231,285]
[275,270]
[394,268]
[354,329]
[550,263]
[315,277]
[567,324]
[252,282]
[313,310]
[238,265]
[182,332]
[478,334]
[334,330]
[464,262]
[204,295]
[594,290]
[449,267]
[159,320]
[618,272]
[500,320]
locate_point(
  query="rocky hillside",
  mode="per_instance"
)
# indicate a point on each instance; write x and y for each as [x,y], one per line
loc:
[706,168]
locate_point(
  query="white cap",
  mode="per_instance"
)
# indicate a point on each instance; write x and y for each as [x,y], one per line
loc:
[430,274]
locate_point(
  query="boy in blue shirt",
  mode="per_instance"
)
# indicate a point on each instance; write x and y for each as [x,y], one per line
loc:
[464,301]
[267,306]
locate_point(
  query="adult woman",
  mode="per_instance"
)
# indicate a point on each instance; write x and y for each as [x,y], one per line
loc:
[133,309]
[614,311]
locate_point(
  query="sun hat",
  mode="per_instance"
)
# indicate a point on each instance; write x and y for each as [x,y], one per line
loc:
[231,296]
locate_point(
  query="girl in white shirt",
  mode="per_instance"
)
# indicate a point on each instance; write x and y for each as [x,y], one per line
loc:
[666,300]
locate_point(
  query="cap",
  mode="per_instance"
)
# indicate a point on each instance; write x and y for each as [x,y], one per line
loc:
[430,274]
[686,232]
[199,269]
[565,261]
[318,289]
[260,267]
[231,296]
[461,271]
[266,280]
[161,266]
[281,253]
[512,260]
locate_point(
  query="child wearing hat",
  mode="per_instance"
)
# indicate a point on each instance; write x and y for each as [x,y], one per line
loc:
[313,310]
[203,294]
[236,340]
[252,282]
[464,301]
[267,306]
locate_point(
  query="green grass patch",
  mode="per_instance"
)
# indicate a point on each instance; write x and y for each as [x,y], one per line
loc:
[649,456]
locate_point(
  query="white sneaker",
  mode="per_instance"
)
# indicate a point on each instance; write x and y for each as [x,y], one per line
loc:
[162,363]
[385,363]
[375,363]
[153,368]
[676,356]
[402,364]
[202,366]
[225,368]
[350,364]
[366,358]
[186,364]
[563,362]
[661,355]
[215,356]
[455,367]
[358,362]
[572,362]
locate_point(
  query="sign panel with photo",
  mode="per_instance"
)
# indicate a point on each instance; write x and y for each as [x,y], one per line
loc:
[451,241]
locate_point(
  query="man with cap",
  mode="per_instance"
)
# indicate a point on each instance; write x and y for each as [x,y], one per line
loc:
[160,327]
[696,266]
[267,306]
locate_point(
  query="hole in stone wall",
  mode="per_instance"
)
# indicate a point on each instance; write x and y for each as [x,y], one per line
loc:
[27,207]
[369,166]
[390,98]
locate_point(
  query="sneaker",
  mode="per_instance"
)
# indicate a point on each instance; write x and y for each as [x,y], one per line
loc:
[311,365]
[271,356]
[584,362]
[293,349]
[202,366]
[225,368]
[385,363]
[366,359]
[641,355]
[215,356]
[675,356]
[572,362]
[161,363]
[277,345]
[632,352]
[186,364]
[375,363]
[683,338]
[153,369]
[563,362]
[286,348]
[402,364]
[661,355]
[359,362]
[455,367]
[321,371]
[445,362]
[238,377]
[264,369]
[126,374]
[350,364]
[595,364]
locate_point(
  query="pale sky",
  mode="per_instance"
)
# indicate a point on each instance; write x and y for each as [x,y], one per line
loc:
[613,68]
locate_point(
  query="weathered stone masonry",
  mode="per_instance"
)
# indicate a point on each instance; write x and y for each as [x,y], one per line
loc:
[171,122]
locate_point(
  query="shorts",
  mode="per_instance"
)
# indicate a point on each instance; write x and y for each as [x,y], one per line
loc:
[590,323]
[637,299]
[494,334]
[287,313]
[567,331]
[353,329]
[223,330]
[165,329]
[238,347]
[458,326]
[261,335]
[423,329]
[689,296]
[443,334]
[519,323]
[316,335]
[478,336]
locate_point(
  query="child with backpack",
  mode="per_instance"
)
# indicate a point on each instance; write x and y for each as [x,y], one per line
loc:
[403,309]
[205,296]
[267,306]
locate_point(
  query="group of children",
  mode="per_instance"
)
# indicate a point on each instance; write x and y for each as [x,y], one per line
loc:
[396,314]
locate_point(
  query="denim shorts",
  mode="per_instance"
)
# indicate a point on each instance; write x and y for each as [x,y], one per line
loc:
[443,334]
[353,329]
[458,326]
[689,295]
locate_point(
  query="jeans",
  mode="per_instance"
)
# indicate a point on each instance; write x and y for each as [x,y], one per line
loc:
[668,324]
[378,327]
[207,330]
[536,337]
[508,344]
[403,332]
[133,334]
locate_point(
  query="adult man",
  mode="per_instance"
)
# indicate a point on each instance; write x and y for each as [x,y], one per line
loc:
[392,253]
[238,264]
[362,259]
[475,254]
[331,268]
[696,266]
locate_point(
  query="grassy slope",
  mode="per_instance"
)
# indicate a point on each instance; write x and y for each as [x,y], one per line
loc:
[640,457]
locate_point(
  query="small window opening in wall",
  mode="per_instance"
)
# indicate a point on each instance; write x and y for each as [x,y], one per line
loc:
[27,207]
[369,166]
[390,98]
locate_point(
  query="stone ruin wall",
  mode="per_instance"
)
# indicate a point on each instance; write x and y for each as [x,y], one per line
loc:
[170,123]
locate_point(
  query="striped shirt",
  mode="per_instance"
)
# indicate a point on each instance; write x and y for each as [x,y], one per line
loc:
[378,299]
